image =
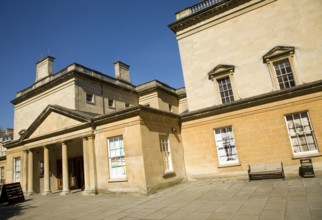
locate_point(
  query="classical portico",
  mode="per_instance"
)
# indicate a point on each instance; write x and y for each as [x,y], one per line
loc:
[64,150]
[60,167]
[59,157]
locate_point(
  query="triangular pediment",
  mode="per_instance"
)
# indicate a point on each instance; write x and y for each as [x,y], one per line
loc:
[55,119]
[220,69]
[278,52]
[52,123]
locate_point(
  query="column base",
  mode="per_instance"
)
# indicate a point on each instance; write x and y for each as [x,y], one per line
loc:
[64,193]
[89,193]
[29,193]
[46,193]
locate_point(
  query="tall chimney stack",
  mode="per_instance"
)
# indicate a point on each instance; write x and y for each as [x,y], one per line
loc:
[122,71]
[44,67]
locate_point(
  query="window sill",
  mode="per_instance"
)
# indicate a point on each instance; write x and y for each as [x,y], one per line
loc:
[169,174]
[229,165]
[306,155]
[91,103]
[117,180]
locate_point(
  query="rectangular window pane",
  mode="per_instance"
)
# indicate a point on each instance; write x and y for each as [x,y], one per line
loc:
[284,73]
[226,147]
[165,152]
[116,157]
[16,171]
[301,133]
[225,90]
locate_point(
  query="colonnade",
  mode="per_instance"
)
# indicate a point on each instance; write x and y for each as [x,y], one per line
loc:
[90,179]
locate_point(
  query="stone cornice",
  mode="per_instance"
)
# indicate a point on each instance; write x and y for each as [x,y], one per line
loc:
[204,14]
[47,57]
[92,121]
[87,122]
[43,87]
[130,112]
[275,96]
[64,75]
[154,86]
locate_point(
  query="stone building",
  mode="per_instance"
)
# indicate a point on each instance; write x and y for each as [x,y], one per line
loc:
[253,83]
[253,90]
[5,137]
[86,130]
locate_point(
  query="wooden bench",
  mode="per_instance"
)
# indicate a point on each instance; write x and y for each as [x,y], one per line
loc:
[265,171]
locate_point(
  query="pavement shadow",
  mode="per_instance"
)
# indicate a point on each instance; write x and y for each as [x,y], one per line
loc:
[8,211]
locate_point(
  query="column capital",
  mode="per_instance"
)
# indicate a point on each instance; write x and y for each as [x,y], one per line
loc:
[91,137]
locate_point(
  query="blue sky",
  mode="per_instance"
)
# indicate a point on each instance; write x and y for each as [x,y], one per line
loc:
[93,33]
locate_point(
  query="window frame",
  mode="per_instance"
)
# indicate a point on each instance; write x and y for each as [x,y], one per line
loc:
[231,96]
[278,54]
[297,134]
[220,72]
[16,178]
[230,158]
[166,156]
[113,103]
[92,99]
[121,157]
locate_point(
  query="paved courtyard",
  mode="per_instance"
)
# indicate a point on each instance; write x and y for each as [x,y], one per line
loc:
[296,198]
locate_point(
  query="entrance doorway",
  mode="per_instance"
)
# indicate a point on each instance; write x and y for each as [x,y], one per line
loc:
[75,173]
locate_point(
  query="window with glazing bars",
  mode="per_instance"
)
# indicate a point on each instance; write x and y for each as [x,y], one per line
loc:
[225,89]
[16,171]
[284,73]
[166,152]
[116,157]
[226,147]
[301,133]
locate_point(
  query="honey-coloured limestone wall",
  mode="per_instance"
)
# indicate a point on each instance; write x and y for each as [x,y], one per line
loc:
[260,133]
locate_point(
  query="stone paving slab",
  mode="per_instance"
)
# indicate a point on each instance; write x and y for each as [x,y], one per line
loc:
[296,198]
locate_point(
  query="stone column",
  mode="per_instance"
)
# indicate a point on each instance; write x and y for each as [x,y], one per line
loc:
[86,168]
[25,171]
[46,172]
[66,189]
[92,165]
[30,173]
